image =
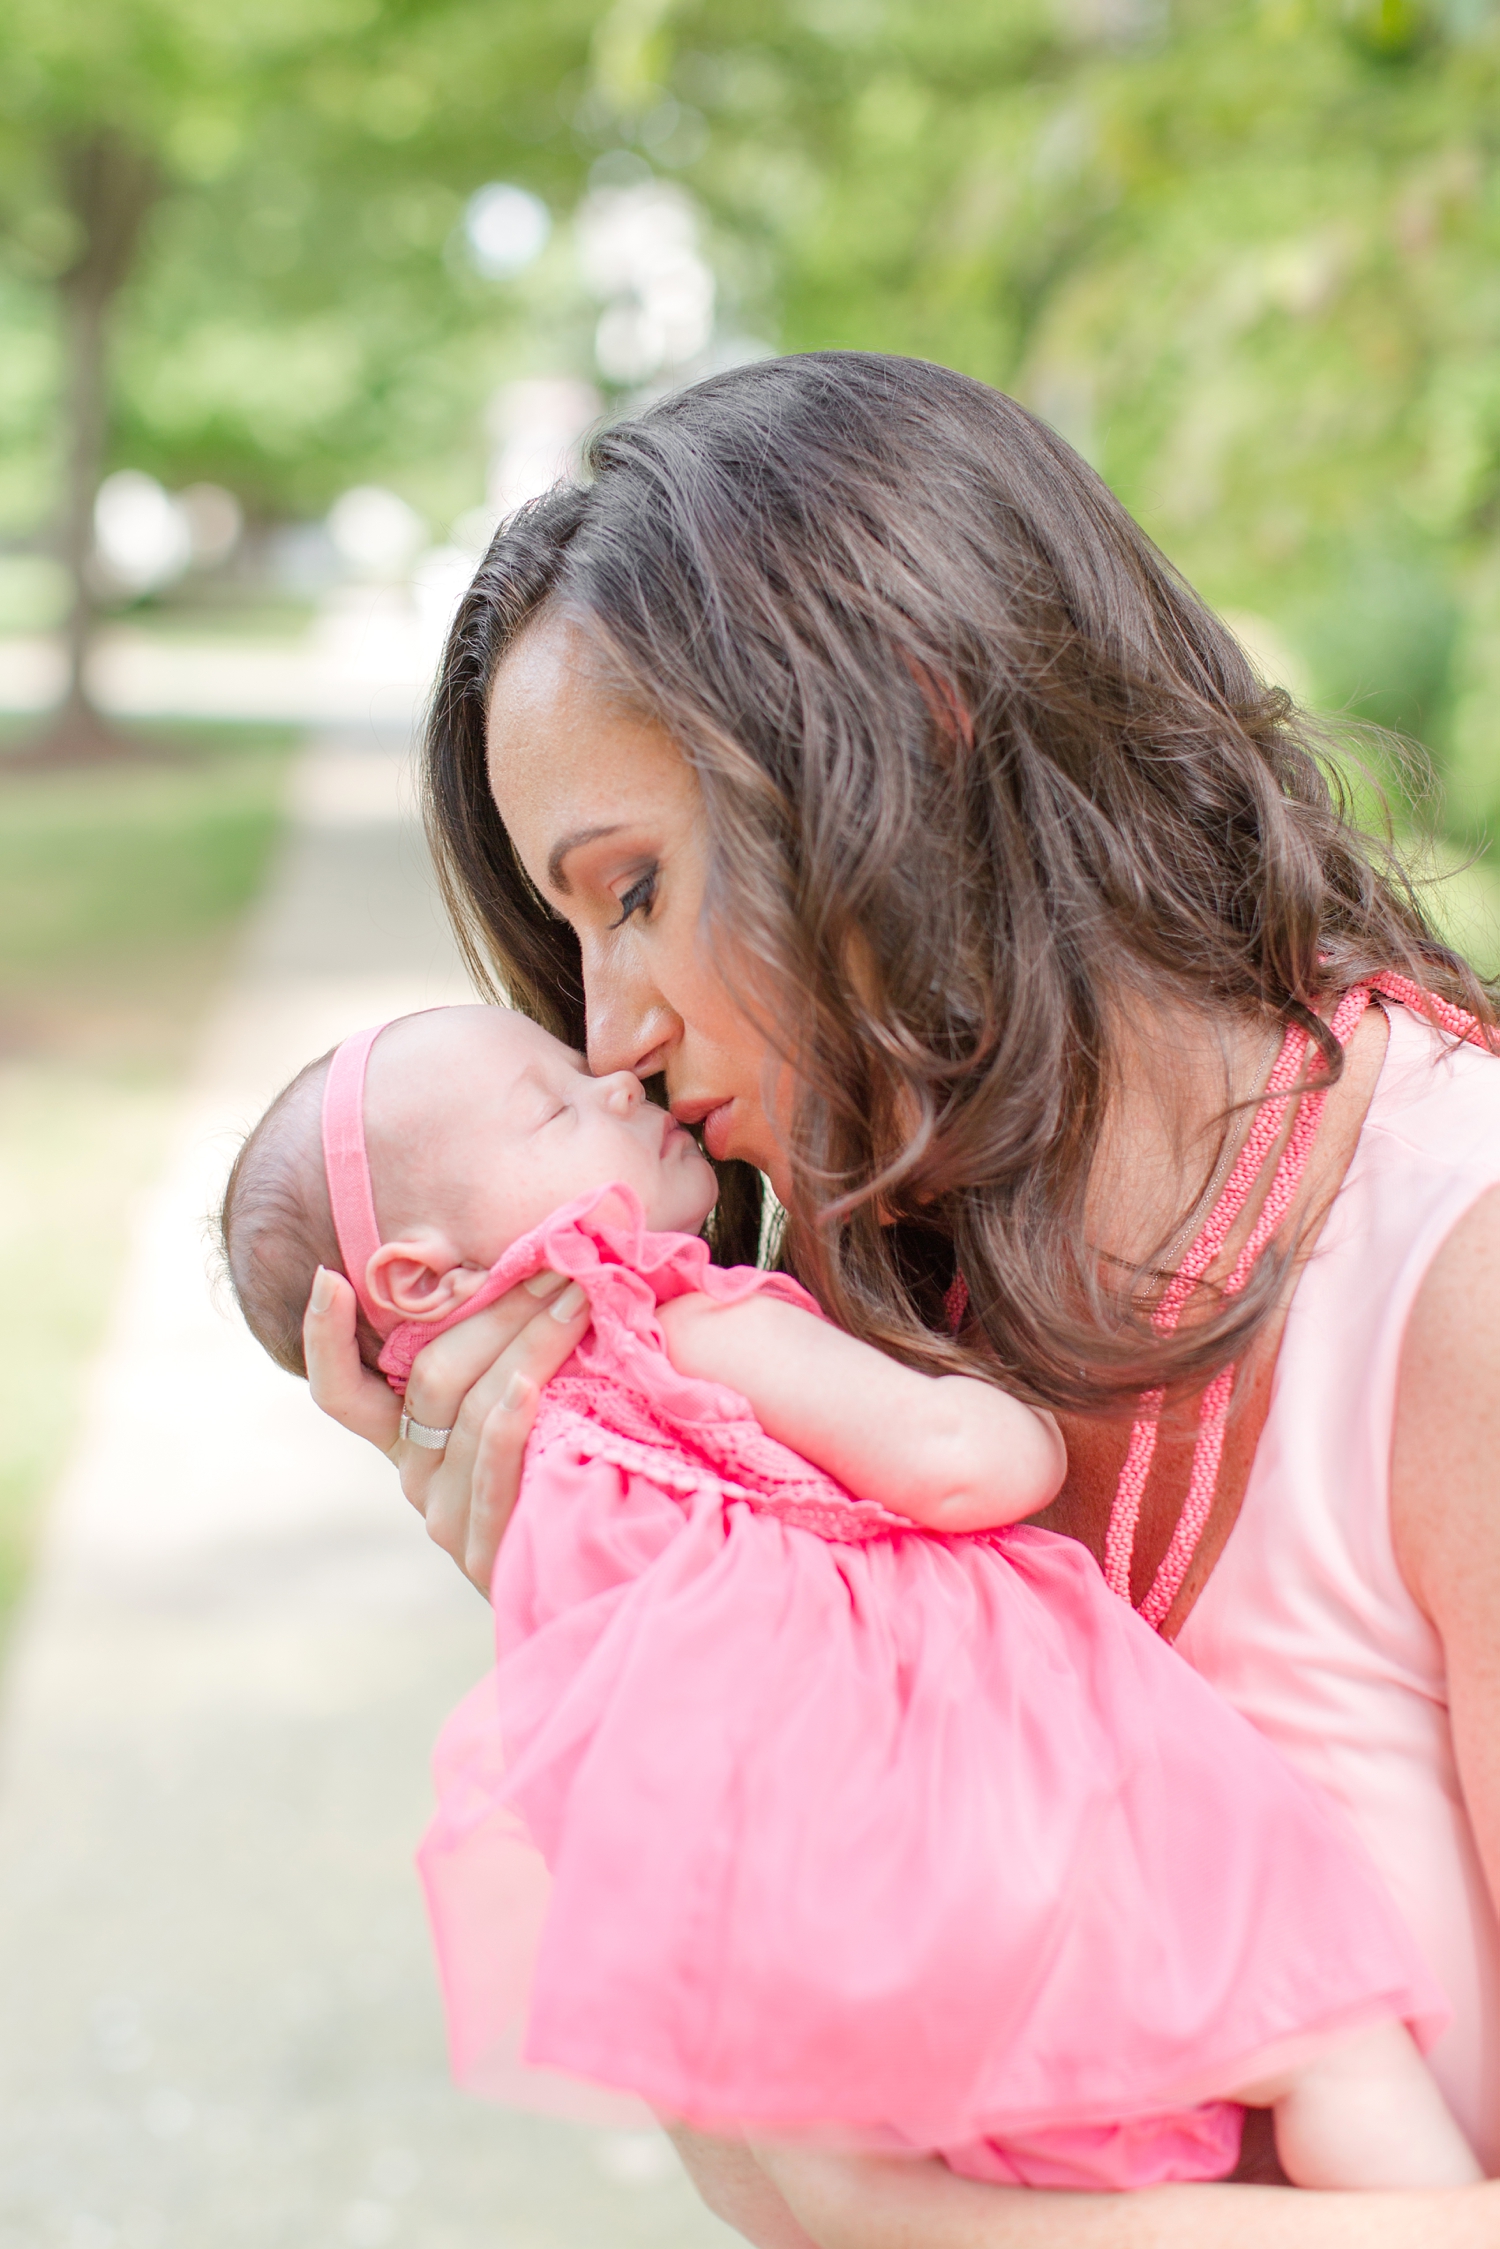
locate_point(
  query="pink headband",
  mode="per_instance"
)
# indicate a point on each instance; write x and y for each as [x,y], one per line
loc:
[348,1168]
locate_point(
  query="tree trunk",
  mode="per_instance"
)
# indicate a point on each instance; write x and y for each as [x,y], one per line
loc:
[109,186]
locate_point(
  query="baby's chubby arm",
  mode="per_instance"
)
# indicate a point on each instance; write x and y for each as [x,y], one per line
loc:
[952,1453]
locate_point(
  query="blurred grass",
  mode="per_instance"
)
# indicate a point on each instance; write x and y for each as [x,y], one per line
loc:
[121,892]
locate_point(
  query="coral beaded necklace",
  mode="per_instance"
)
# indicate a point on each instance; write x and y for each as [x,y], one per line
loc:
[1208,1447]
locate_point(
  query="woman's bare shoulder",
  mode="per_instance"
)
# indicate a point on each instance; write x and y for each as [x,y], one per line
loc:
[1445,1496]
[1445,1465]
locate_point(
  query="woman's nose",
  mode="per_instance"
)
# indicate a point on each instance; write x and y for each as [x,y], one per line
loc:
[629,1027]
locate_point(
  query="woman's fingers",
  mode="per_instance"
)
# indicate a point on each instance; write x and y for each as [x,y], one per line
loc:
[467,1493]
[482,1380]
[339,1380]
[498,1461]
[447,1370]
[454,1383]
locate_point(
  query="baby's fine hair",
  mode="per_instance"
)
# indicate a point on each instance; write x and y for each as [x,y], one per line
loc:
[275,1224]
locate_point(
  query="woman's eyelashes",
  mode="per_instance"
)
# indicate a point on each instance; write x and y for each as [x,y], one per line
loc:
[639,898]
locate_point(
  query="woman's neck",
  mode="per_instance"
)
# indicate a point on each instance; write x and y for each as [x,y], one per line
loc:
[1160,1149]
[1182,1082]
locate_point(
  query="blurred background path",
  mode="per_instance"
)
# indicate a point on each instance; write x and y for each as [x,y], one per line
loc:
[218,2018]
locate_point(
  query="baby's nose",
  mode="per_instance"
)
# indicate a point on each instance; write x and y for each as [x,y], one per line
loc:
[625,1092]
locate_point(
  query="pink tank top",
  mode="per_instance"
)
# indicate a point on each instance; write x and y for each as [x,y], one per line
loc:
[1306,1624]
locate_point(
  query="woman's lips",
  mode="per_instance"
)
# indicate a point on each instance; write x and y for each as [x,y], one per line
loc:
[716,1127]
[713,1118]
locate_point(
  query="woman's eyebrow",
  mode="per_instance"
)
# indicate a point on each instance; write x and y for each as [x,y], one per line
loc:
[573,842]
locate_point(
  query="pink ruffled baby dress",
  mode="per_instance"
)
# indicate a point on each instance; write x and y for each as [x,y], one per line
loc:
[786,1815]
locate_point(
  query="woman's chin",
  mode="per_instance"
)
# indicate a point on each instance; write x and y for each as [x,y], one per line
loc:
[732,1142]
[732,1136]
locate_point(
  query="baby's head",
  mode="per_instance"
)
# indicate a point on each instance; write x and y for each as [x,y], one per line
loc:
[477,1125]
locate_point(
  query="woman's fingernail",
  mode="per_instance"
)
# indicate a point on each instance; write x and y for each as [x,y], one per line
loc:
[322,1290]
[572,1300]
[517,1392]
[545,1283]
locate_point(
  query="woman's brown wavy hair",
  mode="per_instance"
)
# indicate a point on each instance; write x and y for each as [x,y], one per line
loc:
[981,775]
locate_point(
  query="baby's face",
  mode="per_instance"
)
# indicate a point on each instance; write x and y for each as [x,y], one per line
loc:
[480,1124]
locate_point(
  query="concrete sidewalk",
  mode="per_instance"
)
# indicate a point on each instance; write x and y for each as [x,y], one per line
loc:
[218,2020]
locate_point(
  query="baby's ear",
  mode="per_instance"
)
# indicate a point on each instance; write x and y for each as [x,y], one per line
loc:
[423,1278]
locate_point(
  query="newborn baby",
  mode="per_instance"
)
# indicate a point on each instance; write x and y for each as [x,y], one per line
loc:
[479,1126]
[864,1808]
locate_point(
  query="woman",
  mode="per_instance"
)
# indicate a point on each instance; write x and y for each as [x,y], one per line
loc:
[847,758]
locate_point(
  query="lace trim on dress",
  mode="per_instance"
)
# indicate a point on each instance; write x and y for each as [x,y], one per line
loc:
[598,1420]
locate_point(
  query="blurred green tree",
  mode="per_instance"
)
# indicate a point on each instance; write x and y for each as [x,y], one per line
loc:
[242,213]
[1244,253]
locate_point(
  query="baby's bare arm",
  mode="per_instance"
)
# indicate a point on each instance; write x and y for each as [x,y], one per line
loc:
[952,1453]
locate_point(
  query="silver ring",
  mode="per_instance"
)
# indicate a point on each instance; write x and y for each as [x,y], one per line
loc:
[418,1433]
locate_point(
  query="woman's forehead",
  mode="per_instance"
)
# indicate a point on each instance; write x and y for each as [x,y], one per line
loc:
[565,756]
[538,675]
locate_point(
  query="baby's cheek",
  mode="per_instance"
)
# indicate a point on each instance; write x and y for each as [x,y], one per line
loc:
[686,1199]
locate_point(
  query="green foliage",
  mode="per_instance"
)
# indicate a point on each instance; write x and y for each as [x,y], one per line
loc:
[1245,255]
[299,318]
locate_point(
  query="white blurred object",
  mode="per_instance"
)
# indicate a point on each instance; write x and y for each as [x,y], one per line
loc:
[472,532]
[376,535]
[348,670]
[142,534]
[302,559]
[638,250]
[537,427]
[369,632]
[635,2159]
[438,584]
[506,229]
[214,521]
[368,2225]
[168,2114]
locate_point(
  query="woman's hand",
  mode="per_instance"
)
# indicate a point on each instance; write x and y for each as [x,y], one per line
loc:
[874,2202]
[482,1379]
[795,2195]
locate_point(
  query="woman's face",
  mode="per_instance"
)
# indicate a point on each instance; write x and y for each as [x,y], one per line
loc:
[606,817]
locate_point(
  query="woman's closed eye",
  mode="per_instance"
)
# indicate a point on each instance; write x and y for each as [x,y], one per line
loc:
[639,898]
